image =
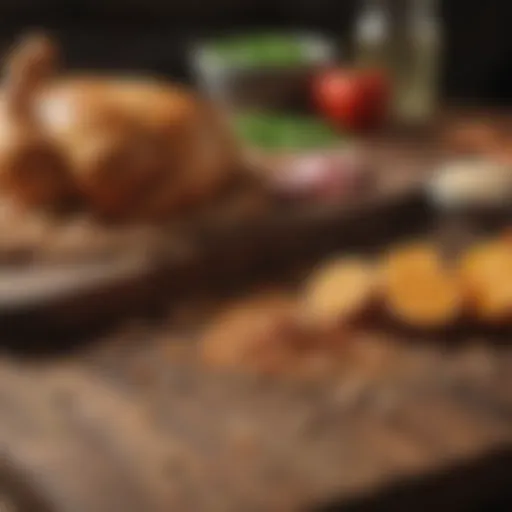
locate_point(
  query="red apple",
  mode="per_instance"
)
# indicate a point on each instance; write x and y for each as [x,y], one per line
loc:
[354,99]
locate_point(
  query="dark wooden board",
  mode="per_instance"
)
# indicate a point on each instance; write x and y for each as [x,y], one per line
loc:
[54,275]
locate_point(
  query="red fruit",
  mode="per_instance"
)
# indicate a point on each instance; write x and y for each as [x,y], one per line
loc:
[355,99]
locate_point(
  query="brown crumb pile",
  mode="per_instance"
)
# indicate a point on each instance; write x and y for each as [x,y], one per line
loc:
[268,336]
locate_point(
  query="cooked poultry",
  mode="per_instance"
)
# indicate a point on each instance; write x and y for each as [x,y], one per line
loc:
[128,147]
[33,168]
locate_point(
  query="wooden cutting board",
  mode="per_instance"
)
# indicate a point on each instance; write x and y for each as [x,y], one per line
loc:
[53,275]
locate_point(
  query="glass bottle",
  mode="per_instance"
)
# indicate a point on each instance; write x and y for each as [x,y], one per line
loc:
[372,35]
[402,37]
[417,86]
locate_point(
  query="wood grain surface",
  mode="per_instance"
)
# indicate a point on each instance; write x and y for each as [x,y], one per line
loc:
[133,422]
[122,417]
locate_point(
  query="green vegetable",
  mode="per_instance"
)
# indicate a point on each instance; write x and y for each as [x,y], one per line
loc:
[263,50]
[274,131]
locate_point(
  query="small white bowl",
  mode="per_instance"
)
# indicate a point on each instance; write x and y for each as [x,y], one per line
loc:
[471,183]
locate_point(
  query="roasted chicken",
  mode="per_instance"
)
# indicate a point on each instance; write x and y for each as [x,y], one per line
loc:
[125,148]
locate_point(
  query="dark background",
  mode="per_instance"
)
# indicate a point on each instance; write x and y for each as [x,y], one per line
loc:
[153,34]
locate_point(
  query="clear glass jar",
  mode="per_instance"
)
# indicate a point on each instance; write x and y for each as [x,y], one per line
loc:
[267,80]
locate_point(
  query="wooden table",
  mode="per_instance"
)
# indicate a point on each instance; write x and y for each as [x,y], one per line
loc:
[130,422]
[127,421]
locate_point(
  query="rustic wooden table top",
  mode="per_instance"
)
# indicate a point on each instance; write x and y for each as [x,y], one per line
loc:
[132,422]
[127,420]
